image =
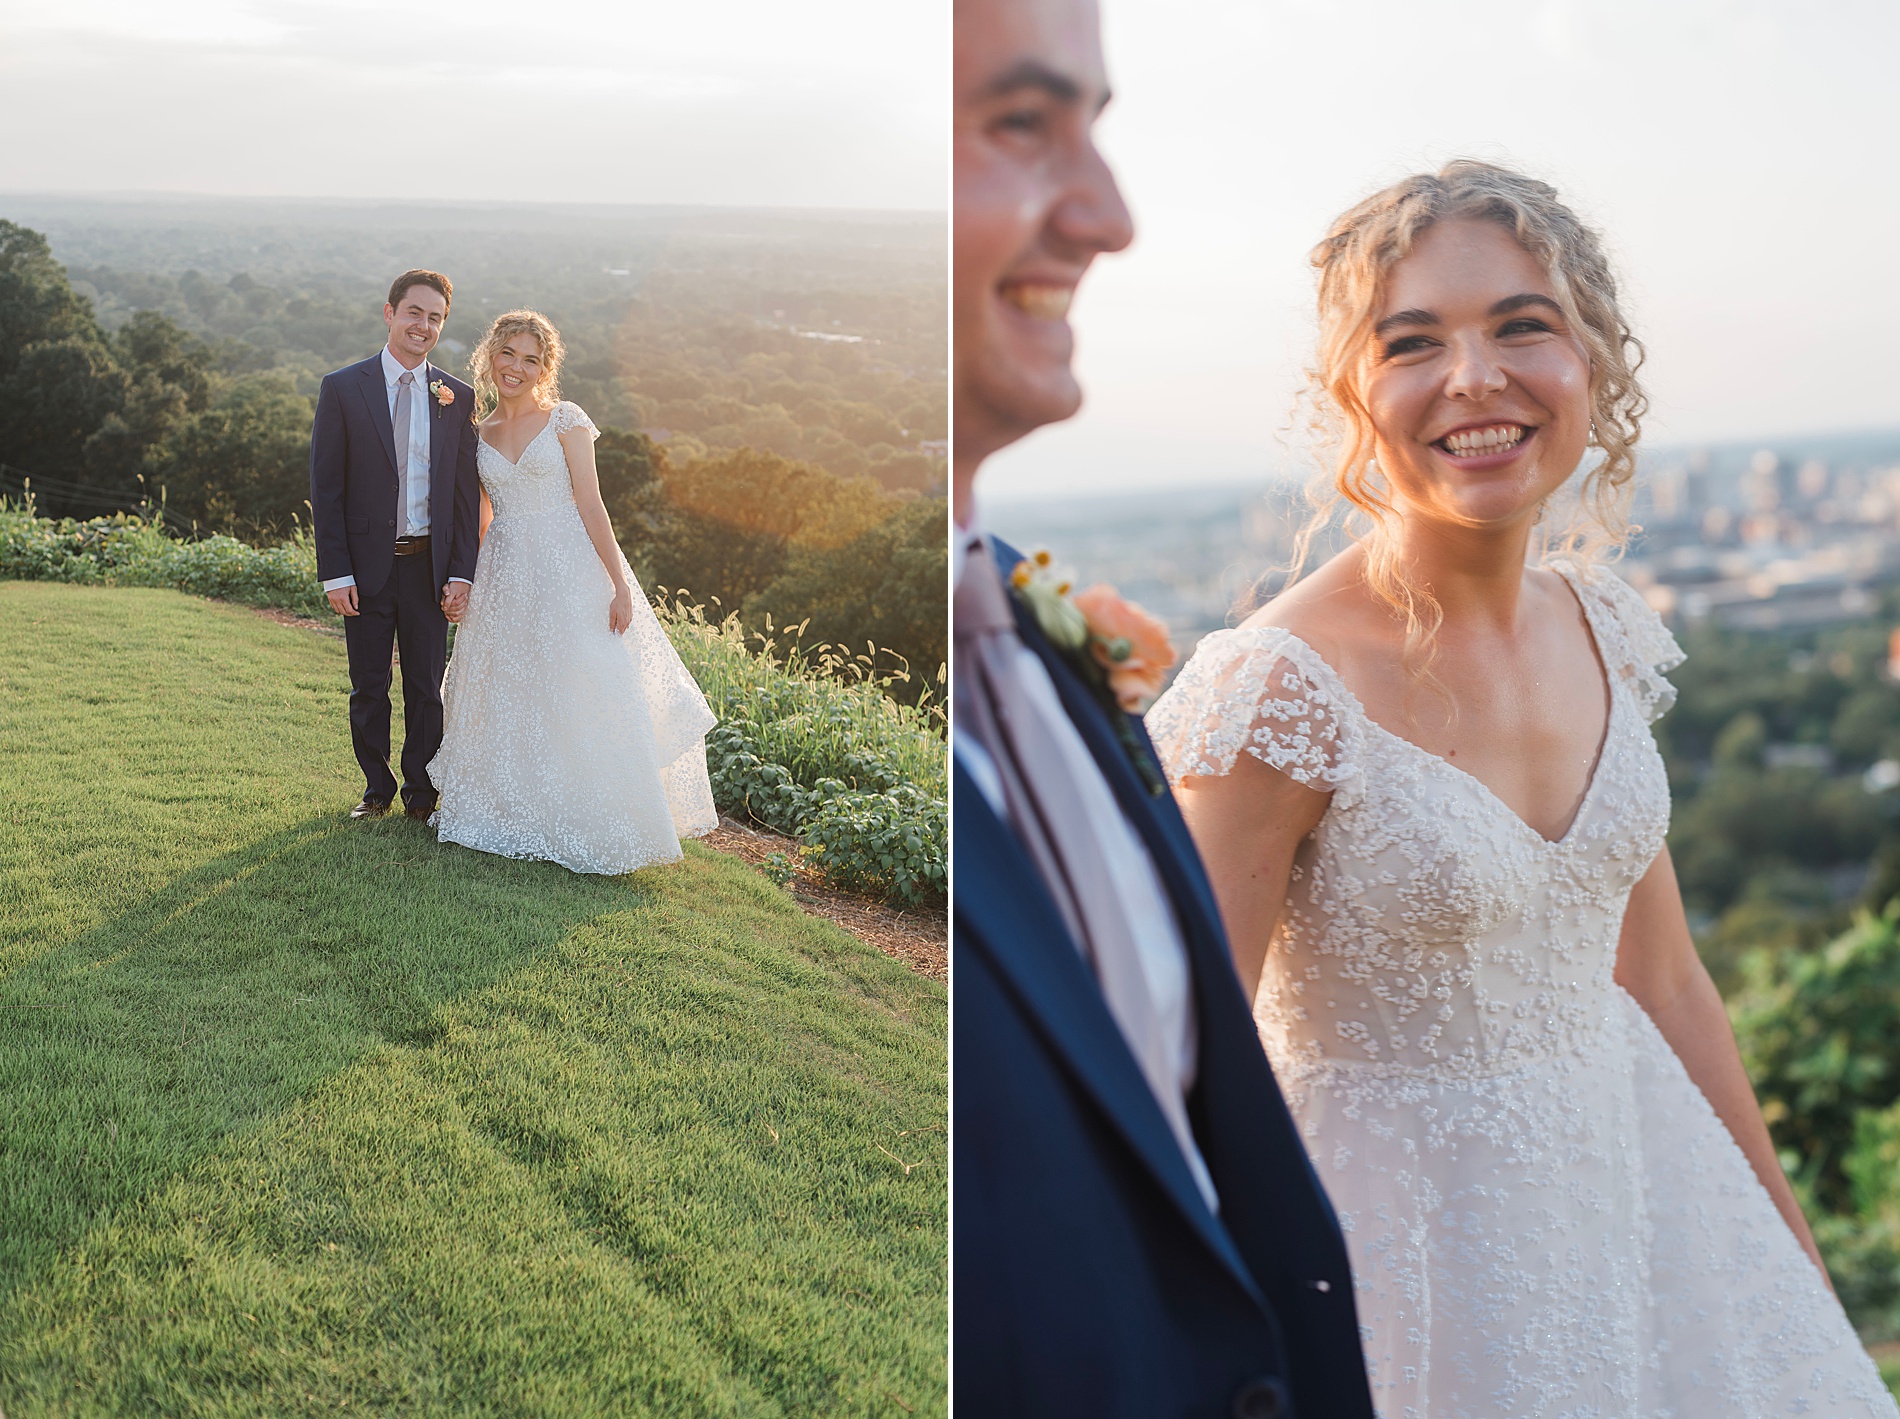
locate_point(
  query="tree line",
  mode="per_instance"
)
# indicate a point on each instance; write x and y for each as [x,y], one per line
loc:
[822,340]
[154,414]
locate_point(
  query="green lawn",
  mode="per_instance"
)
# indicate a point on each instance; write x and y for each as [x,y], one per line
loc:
[303,1116]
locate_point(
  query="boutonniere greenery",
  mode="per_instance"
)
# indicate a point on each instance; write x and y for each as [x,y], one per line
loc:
[444,395]
[1120,651]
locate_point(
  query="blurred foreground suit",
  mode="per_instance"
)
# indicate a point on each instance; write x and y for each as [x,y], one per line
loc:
[1091,1278]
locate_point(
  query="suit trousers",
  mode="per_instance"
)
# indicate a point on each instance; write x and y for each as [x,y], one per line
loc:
[406,610]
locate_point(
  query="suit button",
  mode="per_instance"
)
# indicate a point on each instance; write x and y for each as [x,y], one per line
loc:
[1260,1399]
[392,522]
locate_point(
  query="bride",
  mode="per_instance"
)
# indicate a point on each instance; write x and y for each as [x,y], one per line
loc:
[571,729]
[1424,785]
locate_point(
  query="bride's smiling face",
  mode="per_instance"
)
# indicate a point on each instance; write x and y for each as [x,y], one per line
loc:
[1477,386]
[518,365]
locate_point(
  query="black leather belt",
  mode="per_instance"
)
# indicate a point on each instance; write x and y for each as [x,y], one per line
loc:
[409,546]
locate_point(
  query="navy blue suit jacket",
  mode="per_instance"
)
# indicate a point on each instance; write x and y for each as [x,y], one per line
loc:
[1091,1279]
[353,476]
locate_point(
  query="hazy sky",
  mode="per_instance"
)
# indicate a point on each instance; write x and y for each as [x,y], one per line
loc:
[818,103]
[1742,157]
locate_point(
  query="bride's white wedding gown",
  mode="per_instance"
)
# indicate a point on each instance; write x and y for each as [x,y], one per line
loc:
[1546,1218]
[560,739]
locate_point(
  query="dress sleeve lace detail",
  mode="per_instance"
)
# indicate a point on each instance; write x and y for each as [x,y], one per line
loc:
[566,416]
[1265,691]
[1634,641]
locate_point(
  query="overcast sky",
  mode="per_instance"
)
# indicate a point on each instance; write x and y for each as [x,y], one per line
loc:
[1742,157]
[818,103]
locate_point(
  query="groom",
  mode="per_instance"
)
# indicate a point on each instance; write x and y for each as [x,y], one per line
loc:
[393,497]
[1138,1231]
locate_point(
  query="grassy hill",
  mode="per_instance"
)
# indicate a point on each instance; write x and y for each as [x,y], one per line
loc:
[302,1116]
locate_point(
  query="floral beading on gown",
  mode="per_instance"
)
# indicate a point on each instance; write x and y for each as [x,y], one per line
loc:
[562,740]
[1546,1218]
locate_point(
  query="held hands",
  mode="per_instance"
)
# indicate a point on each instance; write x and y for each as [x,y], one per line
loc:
[620,613]
[455,601]
[343,600]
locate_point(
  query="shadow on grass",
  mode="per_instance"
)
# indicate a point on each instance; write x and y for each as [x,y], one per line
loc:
[130,1054]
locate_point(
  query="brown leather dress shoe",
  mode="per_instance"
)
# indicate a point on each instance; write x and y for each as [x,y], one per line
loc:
[370,807]
[420,809]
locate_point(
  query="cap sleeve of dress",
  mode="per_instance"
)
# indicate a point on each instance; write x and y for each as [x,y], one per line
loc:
[1263,691]
[566,416]
[1632,637]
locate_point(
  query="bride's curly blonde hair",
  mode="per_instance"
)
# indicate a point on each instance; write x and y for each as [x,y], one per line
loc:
[1353,263]
[481,364]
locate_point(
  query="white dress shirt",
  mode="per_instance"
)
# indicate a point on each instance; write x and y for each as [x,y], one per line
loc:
[1143,898]
[422,413]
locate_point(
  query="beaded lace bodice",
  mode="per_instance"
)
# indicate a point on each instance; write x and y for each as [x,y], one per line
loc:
[538,481]
[1427,925]
[1546,1219]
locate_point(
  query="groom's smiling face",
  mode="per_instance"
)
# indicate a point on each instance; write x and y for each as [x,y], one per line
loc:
[415,323]
[1035,204]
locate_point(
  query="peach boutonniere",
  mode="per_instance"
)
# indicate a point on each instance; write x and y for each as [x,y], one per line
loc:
[1131,646]
[1120,651]
[444,396]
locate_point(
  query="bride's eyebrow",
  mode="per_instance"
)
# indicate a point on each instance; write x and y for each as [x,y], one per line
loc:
[1404,317]
[1511,303]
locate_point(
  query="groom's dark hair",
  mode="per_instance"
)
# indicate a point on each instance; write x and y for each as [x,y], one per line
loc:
[435,280]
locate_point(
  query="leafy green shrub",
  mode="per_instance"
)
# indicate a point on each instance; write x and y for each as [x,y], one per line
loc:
[123,550]
[1818,1033]
[1862,1247]
[892,841]
[809,744]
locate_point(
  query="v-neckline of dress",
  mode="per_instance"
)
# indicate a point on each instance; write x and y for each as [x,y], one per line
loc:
[515,462]
[1584,802]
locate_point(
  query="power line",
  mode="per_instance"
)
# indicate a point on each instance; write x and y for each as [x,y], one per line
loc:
[16,479]
[58,485]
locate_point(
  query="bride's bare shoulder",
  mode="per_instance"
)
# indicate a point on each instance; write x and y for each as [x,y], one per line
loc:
[1329,609]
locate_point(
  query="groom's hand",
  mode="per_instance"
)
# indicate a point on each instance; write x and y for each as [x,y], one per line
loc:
[343,600]
[455,600]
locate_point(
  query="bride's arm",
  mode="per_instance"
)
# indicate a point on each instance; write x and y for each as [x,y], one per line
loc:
[1656,962]
[579,446]
[1248,823]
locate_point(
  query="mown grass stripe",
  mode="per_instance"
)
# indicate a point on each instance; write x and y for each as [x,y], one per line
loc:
[304,1116]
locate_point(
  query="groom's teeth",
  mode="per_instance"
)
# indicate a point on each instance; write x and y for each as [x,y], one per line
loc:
[1042,302]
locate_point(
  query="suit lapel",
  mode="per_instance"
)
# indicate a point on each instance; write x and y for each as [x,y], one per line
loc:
[1157,820]
[376,399]
[1016,925]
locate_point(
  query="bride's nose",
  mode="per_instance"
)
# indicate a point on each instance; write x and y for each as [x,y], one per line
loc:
[1474,372]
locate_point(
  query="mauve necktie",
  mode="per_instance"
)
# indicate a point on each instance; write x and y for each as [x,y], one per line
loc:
[1048,813]
[405,382]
